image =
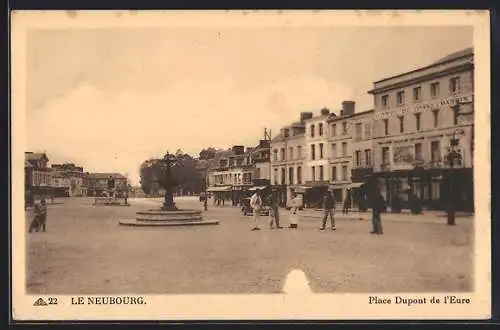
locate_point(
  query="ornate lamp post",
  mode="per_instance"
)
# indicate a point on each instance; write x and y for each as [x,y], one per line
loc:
[451,158]
[168,183]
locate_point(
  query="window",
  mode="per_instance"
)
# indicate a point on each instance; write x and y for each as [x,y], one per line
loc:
[334,129]
[334,150]
[386,126]
[359,131]
[313,173]
[385,101]
[358,158]
[368,131]
[321,150]
[400,96]
[320,128]
[299,175]
[299,152]
[334,173]
[417,121]
[435,190]
[435,114]
[344,127]
[283,154]
[313,152]
[286,132]
[418,151]
[257,173]
[344,149]
[435,90]
[321,174]
[454,84]
[417,94]
[455,114]
[385,156]
[435,152]
[312,130]
[290,153]
[344,173]
[401,124]
[283,175]
[290,175]
[368,157]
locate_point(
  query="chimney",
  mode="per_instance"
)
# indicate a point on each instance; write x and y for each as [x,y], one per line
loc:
[348,108]
[325,112]
[305,115]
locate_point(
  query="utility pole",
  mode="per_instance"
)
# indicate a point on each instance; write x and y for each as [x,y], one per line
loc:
[267,137]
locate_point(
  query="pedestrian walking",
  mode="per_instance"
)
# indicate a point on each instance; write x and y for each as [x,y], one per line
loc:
[347,203]
[256,205]
[294,216]
[35,223]
[329,210]
[43,215]
[378,206]
[274,211]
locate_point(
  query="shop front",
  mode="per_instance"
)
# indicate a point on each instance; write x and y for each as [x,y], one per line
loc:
[429,187]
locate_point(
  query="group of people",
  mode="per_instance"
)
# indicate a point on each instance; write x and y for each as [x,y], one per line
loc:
[40,218]
[256,203]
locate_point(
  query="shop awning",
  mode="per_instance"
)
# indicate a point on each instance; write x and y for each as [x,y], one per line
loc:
[257,187]
[356,184]
[227,188]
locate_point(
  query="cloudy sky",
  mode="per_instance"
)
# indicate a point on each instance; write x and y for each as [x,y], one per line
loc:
[107,99]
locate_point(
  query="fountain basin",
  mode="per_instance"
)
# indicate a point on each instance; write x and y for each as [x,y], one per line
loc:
[161,218]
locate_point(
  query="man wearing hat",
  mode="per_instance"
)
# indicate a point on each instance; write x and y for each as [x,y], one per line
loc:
[329,209]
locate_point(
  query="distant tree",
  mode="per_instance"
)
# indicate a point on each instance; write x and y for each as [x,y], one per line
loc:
[208,153]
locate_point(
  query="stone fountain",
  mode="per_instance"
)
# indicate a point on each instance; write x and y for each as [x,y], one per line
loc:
[168,214]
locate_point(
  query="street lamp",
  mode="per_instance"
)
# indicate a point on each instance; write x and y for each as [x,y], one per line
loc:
[451,157]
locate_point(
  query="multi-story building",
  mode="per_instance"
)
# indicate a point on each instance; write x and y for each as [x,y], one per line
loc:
[260,157]
[67,180]
[39,172]
[339,143]
[361,145]
[97,183]
[231,172]
[417,114]
[288,156]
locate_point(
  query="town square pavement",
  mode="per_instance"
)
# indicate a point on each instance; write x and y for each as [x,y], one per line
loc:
[85,251]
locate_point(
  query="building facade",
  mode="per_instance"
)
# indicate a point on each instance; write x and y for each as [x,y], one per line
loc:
[97,183]
[288,158]
[416,115]
[39,175]
[361,146]
[339,143]
[67,180]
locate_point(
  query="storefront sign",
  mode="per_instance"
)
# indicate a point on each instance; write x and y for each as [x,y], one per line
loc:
[450,101]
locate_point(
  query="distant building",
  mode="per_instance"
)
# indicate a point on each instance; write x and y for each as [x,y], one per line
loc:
[260,157]
[38,177]
[67,179]
[97,183]
[416,115]
[288,157]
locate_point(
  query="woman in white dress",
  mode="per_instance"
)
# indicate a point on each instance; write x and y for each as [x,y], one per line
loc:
[294,215]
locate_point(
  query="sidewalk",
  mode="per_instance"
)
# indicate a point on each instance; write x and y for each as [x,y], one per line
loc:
[404,216]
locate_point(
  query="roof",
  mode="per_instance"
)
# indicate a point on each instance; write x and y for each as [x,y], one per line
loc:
[35,155]
[448,58]
[340,118]
[456,55]
[105,175]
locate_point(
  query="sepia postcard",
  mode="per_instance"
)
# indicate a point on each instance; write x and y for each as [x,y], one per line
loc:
[250,165]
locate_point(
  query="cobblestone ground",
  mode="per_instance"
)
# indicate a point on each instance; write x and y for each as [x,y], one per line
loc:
[85,251]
